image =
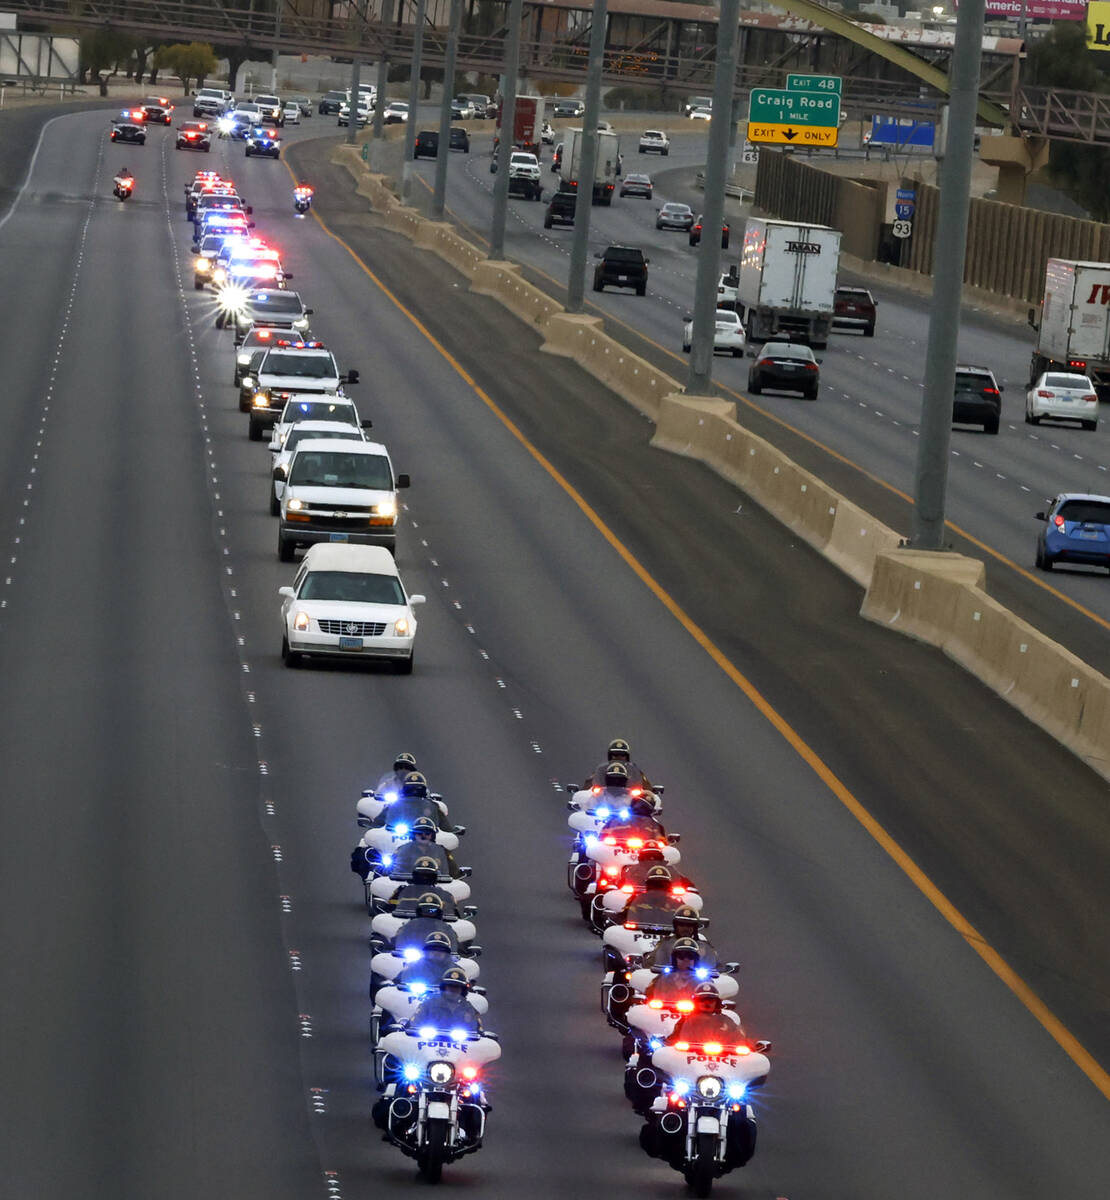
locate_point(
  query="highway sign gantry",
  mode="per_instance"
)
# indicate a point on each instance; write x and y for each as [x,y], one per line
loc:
[798,116]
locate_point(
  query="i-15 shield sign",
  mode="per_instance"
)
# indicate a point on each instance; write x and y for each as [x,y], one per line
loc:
[905,201]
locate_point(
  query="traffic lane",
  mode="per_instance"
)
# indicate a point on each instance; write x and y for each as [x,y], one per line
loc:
[39,241]
[144,973]
[991,773]
[894,458]
[505,820]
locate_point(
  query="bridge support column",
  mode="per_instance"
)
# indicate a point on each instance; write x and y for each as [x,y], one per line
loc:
[1016,159]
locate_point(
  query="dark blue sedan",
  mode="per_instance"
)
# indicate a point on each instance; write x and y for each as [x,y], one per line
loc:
[1076,530]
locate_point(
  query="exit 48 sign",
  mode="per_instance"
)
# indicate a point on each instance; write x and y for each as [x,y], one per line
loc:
[804,113]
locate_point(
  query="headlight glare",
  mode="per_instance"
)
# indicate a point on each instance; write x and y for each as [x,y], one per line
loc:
[401,626]
[301,622]
[296,504]
[441,1072]
[709,1087]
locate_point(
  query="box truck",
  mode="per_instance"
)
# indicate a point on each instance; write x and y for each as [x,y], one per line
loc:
[608,164]
[786,282]
[1073,333]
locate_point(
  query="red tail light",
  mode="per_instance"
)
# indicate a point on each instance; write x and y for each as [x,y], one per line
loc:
[1045,395]
[1058,521]
[1091,399]
[1081,363]
[764,362]
[811,366]
[989,391]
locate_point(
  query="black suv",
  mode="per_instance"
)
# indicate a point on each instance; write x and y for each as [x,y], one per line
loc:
[426,144]
[560,209]
[330,102]
[621,266]
[459,140]
[978,398]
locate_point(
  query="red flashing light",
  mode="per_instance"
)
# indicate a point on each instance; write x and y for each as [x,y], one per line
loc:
[655,1004]
[678,890]
[713,1048]
[635,791]
[610,840]
[595,791]
[470,1072]
[743,1048]
[630,924]
[683,1046]
[627,888]
[612,870]
[685,1006]
[635,843]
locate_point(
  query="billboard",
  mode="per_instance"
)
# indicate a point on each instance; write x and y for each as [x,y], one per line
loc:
[904,131]
[1098,25]
[1037,10]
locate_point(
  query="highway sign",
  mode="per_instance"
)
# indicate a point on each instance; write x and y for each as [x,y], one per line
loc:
[902,229]
[750,154]
[793,118]
[814,83]
[905,201]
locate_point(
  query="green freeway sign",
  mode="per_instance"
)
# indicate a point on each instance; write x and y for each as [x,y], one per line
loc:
[784,117]
[780,106]
[814,83]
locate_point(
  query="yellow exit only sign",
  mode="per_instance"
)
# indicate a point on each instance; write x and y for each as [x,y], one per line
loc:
[792,135]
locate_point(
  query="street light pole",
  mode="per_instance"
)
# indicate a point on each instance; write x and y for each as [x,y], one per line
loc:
[587,160]
[383,73]
[414,98]
[439,197]
[505,132]
[931,478]
[709,252]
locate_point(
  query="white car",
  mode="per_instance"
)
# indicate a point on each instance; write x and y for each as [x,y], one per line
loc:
[362,115]
[1060,396]
[728,335]
[348,602]
[701,114]
[396,112]
[547,134]
[655,141]
[291,113]
[282,455]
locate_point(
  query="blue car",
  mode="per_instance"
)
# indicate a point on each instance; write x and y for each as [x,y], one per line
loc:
[1076,530]
[265,140]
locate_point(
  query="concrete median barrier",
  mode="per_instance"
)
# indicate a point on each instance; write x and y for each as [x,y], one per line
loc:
[706,428]
[939,598]
[503,281]
[633,378]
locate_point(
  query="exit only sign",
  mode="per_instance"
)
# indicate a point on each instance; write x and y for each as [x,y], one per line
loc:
[807,116]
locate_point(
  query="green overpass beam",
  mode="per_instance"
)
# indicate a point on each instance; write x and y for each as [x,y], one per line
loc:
[989,112]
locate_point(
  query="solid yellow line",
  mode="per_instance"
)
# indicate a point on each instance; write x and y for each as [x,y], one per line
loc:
[1039,1010]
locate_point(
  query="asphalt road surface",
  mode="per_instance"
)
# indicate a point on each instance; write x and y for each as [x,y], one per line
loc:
[185,1005]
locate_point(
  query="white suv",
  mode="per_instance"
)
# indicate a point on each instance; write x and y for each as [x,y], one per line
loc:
[524,174]
[290,368]
[655,141]
[348,602]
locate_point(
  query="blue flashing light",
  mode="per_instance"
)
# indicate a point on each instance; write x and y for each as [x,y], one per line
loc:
[427,1032]
[387,860]
[401,830]
[262,295]
[411,954]
[590,839]
[604,813]
[411,1071]
[389,797]
[304,408]
[623,814]
[654,1044]
[681,1087]
[702,972]
[418,989]
[736,1090]
[666,970]
[458,1035]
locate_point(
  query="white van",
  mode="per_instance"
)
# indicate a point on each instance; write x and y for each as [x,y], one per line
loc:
[338,491]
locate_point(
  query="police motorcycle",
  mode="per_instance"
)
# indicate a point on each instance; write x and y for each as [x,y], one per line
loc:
[702,1122]
[619,885]
[385,881]
[434,1109]
[302,198]
[396,1004]
[603,857]
[387,965]
[124,185]
[388,929]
